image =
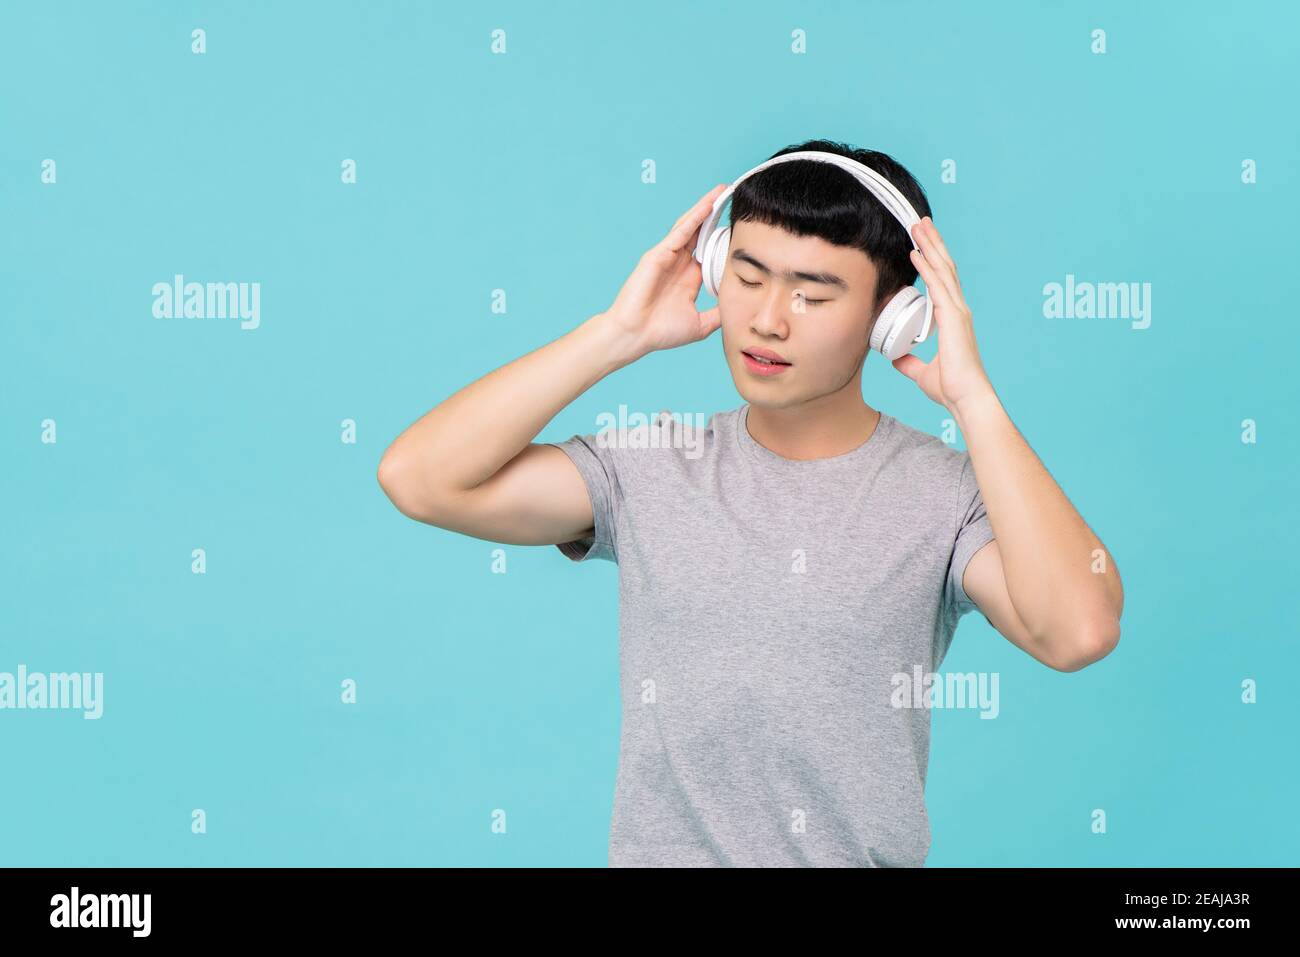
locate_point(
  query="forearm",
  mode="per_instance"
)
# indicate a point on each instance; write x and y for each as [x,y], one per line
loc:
[469,436]
[1060,578]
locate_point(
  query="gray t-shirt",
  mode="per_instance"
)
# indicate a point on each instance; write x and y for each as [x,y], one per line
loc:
[766,606]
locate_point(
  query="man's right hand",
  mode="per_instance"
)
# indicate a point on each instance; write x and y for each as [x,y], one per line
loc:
[656,306]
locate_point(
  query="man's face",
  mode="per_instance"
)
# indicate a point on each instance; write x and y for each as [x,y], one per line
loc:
[815,323]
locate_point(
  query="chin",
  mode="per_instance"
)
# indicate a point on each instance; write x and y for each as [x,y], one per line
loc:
[767,398]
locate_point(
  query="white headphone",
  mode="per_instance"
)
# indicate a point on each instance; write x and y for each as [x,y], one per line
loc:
[896,330]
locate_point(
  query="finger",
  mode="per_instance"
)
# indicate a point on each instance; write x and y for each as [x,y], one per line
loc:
[933,231]
[683,232]
[934,285]
[710,320]
[911,366]
[707,199]
[954,284]
[936,262]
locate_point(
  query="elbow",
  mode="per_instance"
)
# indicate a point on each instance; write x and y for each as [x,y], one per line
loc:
[395,481]
[387,474]
[1092,643]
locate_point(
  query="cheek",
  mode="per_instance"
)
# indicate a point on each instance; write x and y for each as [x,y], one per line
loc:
[838,339]
[850,325]
[825,330]
[731,319]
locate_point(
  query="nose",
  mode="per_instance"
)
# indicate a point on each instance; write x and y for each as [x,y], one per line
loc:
[770,319]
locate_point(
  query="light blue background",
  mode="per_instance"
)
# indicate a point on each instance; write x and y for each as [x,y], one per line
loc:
[480,691]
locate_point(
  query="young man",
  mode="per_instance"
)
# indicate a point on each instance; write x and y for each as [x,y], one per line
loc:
[785,571]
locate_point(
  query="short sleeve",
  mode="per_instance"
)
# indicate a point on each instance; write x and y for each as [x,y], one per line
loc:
[597,464]
[973,533]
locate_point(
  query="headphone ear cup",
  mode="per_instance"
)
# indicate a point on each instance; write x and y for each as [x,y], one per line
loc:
[715,259]
[896,329]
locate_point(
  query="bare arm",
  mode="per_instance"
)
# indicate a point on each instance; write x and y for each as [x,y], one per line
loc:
[1055,577]
[1048,583]
[470,464]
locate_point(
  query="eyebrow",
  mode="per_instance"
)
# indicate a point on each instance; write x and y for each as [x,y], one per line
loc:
[824,278]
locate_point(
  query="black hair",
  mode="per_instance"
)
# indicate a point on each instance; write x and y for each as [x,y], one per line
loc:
[808,198]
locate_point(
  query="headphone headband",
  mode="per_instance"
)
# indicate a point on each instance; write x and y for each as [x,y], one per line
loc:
[877,185]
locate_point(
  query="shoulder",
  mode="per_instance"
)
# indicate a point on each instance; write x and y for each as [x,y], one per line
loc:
[631,440]
[926,459]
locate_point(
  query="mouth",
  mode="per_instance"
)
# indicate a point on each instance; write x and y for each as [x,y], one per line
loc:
[770,358]
[765,364]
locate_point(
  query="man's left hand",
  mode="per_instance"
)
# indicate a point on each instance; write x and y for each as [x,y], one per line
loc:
[955,375]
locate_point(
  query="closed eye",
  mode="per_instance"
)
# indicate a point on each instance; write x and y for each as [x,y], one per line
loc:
[753,285]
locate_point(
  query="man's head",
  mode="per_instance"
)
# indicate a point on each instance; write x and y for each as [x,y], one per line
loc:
[826,257]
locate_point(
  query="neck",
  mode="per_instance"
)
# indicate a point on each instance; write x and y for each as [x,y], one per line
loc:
[820,428]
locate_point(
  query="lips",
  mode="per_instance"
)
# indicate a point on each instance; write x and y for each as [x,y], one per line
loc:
[764,368]
[766,356]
